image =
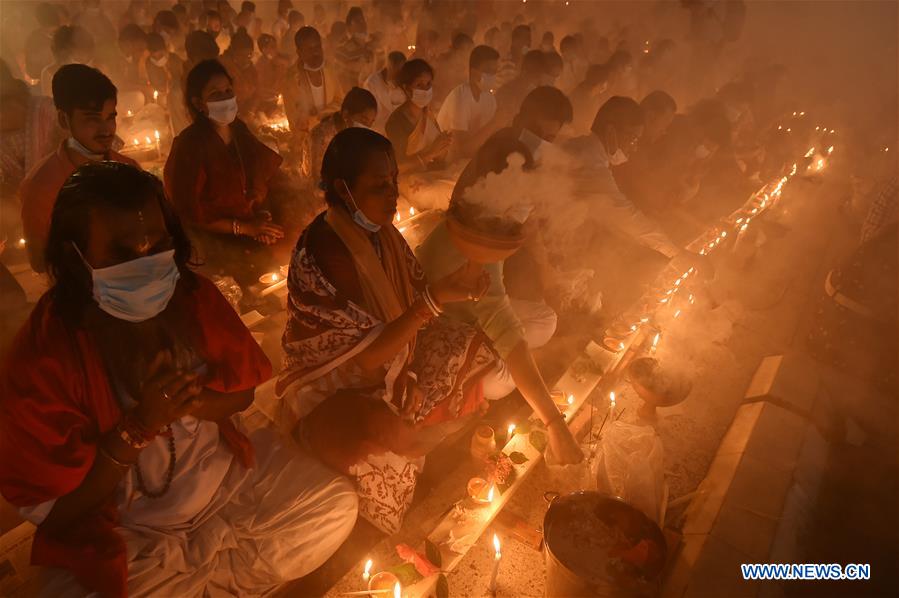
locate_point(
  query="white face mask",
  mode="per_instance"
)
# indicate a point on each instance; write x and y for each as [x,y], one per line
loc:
[422,97]
[618,158]
[223,112]
[160,62]
[76,146]
[136,290]
[488,81]
[702,152]
[359,216]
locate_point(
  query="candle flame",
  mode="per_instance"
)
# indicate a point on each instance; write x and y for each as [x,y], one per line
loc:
[397,590]
[129,113]
[136,142]
[612,398]
[655,341]
[496,546]
[155,95]
[570,399]
[412,211]
[490,493]
[367,571]
[22,242]
[511,430]
[156,135]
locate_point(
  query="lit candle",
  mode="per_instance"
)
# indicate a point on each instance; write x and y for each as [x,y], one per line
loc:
[22,242]
[366,575]
[130,113]
[496,559]
[411,211]
[491,493]
[570,400]
[511,431]
[655,343]
[612,404]
[397,590]
[155,96]
[158,150]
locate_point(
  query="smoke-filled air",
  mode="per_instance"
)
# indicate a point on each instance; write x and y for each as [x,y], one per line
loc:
[449,298]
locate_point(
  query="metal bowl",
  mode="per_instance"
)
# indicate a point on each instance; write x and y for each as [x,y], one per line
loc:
[655,386]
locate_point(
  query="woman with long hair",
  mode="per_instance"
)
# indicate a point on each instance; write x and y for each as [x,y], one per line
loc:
[218,176]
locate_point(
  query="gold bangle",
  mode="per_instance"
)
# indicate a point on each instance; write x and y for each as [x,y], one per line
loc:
[120,464]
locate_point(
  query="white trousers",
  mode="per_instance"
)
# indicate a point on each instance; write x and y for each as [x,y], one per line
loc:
[539,321]
[280,521]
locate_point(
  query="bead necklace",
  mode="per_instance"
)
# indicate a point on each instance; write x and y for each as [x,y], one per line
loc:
[169,474]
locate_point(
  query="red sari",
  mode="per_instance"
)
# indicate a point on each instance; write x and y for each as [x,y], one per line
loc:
[56,404]
[208,180]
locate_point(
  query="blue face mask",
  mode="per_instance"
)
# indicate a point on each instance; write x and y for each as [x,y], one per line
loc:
[359,216]
[136,290]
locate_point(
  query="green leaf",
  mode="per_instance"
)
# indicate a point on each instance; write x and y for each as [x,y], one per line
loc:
[433,554]
[442,586]
[518,458]
[538,440]
[406,574]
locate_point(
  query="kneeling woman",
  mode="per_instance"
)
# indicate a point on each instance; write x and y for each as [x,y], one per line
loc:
[373,377]
[218,176]
[116,431]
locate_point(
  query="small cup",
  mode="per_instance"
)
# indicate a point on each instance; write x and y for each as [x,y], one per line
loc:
[383,580]
[483,443]
[270,278]
[478,491]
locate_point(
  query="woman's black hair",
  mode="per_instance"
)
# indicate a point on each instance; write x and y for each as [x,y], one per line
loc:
[197,79]
[345,158]
[412,70]
[94,187]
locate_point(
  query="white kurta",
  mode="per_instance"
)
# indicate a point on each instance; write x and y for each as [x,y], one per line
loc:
[461,112]
[389,97]
[222,529]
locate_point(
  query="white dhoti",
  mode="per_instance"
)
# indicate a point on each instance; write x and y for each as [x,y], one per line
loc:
[264,526]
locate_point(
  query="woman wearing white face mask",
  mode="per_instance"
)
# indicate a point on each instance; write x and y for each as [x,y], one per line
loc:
[415,134]
[373,376]
[218,175]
